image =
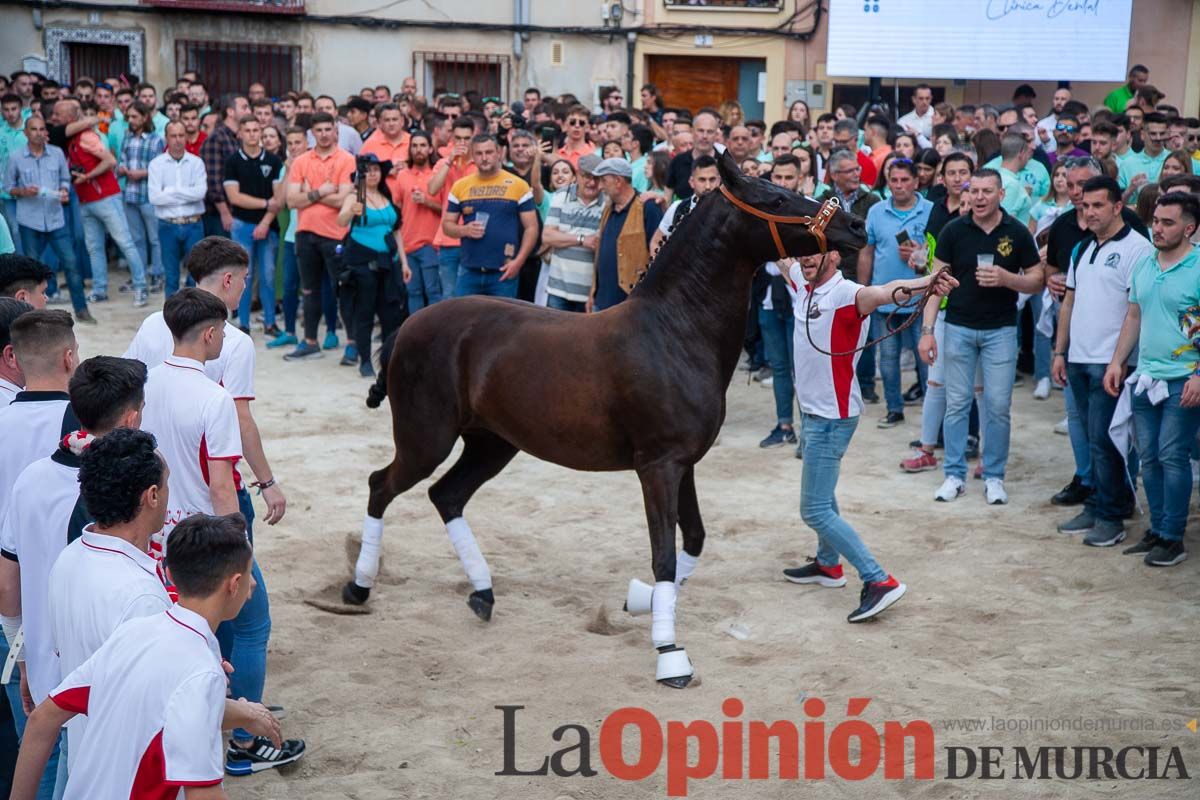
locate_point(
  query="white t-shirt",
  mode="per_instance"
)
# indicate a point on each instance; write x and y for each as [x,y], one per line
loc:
[97,583]
[8,390]
[1100,279]
[44,513]
[233,369]
[154,695]
[923,125]
[194,421]
[31,427]
[664,225]
[826,386]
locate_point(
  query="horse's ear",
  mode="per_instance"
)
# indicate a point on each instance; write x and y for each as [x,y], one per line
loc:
[731,174]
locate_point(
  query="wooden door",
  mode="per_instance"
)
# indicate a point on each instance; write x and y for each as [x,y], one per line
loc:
[692,82]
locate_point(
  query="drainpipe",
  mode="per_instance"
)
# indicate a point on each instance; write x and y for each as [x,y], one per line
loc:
[630,46]
[520,17]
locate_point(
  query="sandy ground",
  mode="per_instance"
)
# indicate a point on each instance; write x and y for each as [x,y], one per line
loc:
[1004,617]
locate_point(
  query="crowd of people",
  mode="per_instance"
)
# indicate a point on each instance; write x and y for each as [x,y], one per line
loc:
[1061,245]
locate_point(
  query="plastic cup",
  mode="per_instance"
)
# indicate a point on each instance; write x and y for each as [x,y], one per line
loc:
[482,218]
[985,260]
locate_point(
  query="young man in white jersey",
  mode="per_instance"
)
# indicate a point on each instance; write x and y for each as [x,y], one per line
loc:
[11,378]
[105,577]
[45,513]
[196,424]
[833,311]
[154,693]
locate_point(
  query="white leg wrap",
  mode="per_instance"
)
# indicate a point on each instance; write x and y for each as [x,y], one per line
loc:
[367,566]
[469,554]
[685,565]
[662,614]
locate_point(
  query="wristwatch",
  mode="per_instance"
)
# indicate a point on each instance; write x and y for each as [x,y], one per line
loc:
[579,238]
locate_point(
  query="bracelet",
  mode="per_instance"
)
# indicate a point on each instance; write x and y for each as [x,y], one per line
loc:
[314,195]
[1063,354]
[926,330]
[260,485]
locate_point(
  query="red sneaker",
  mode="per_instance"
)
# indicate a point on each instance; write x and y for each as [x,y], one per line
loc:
[922,462]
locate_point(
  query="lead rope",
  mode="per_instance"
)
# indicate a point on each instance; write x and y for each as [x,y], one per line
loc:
[917,303]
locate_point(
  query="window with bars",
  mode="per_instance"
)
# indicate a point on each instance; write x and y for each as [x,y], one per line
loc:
[462,72]
[232,67]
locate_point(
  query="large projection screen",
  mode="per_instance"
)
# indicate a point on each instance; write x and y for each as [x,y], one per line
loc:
[1012,40]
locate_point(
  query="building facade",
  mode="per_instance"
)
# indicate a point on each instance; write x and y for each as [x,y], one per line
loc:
[765,53]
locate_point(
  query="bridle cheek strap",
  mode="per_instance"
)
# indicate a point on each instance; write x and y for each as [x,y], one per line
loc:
[816,225]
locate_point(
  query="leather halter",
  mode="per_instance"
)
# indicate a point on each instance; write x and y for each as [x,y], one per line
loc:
[816,224]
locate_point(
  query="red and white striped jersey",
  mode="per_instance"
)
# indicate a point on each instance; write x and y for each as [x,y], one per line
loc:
[154,695]
[825,385]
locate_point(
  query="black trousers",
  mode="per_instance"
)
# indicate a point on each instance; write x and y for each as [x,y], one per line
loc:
[315,256]
[363,294]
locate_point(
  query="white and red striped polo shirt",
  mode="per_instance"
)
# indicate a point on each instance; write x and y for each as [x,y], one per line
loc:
[97,583]
[154,695]
[194,421]
[825,385]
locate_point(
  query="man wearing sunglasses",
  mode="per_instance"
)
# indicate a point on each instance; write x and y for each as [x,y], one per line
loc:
[576,144]
[1066,136]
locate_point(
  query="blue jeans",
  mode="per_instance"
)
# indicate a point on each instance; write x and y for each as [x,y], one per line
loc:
[60,242]
[825,442]
[966,349]
[243,639]
[425,288]
[1165,433]
[262,263]
[563,304]
[1041,342]
[486,283]
[143,226]
[1111,498]
[777,328]
[449,259]
[1077,432]
[865,369]
[889,357]
[291,287]
[175,242]
[8,210]
[108,216]
[47,789]
[933,407]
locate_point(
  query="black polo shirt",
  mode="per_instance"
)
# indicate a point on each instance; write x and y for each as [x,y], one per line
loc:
[254,176]
[961,242]
[1065,234]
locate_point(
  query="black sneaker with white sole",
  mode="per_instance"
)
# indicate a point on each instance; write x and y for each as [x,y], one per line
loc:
[261,755]
[814,572]
[1166,553]
[877,597]
[1148,543]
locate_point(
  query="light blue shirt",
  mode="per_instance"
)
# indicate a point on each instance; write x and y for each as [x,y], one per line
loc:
[48,172]
[1170,305]
[1017,201]
[11,140]
[884,222]
[1135,164]
[1033,175]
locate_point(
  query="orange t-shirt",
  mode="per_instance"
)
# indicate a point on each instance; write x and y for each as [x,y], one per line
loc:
[313,169]
[419,224]
[378,144]
[574,155]
[457,171]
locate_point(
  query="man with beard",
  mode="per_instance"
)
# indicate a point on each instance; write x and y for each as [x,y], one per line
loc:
[525,161]
[420,217]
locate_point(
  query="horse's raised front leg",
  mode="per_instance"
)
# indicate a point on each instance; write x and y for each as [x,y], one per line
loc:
[660,490]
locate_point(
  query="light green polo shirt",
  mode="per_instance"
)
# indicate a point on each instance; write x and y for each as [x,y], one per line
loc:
[1136,163]
[11,141]
[640,181]
[1017,201]
[1033,175]
[1170,306]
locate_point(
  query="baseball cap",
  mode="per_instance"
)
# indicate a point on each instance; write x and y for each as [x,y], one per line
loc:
[613,166]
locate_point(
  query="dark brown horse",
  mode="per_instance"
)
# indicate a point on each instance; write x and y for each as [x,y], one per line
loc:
[640,386]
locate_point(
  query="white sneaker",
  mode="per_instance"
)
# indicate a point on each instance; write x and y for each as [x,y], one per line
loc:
[768,381]
[951,489]
[993,489]
[1061,427]
[1042,390]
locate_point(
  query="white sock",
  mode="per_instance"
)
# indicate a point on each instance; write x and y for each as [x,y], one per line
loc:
[367,566]
[685,565]
[469,554]
[662,614]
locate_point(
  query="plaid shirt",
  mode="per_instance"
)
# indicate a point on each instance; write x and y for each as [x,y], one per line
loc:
[215,151]
[137,151]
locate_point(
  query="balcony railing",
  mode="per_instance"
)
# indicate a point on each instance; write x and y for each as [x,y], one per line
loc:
[724,5]
[233,6]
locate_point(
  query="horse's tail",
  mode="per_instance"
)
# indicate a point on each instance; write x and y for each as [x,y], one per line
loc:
[378,390]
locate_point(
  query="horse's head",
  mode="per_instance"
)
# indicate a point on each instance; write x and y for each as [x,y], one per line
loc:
[778,220]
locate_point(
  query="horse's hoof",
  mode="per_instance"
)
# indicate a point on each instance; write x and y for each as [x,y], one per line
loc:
[674,667]
[354,595]
[482,605]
